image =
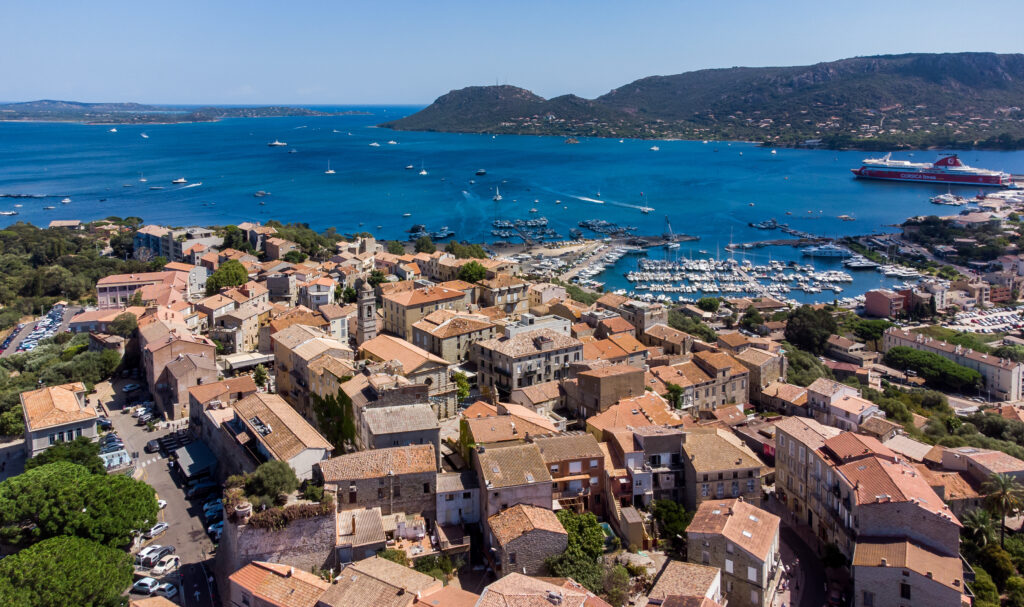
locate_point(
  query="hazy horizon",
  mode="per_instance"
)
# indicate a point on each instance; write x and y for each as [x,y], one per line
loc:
[320,53]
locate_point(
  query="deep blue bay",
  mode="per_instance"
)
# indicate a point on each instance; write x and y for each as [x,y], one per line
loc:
[705,189]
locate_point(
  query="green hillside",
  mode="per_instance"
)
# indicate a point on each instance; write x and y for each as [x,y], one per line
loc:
[914,100]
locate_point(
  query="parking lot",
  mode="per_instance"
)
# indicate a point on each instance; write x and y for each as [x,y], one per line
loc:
[995,320]
[186,528]
[28,334]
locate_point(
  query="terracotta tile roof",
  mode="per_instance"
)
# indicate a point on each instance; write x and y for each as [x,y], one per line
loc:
[137,278]
[617,324]
[878,425]
[280,585]
[826,386]
[648,409]
[756,356]
[710,452]
[527,343]
[526,414]
[667,333]
[683,375]
[444,324]
[204,393]
[55,406]
[612,300]
[806,431]
[502,428]
[994,461]
[332,311]
[853,405]
[542,392]
[422,297]
[401,418]
[876,480]
[733,340]
[387,348]
[413,459]
[789,393]
[730,415]
[678,578]
[399,576]
[720,361]
[1009,412]
[743,524]
[688,601]
[457,285]
[355,589]
[945,570]
[847,447]
[216,302]
[611,371]
[521,519]
[502,281]
[518,590]
[560,448]
[950,486]
[479,409]
[512,466]
[450,596]
[289,434]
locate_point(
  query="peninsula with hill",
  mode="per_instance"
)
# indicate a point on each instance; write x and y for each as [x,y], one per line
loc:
[910,101]
[47,110]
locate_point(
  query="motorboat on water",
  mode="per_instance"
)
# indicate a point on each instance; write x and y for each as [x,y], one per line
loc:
[180,180]
[8,213]
[481,172]
[144,136]
[374,145]
[655,148]
[392,142]
[406,214]
[65,201]
[276,144]
[112,131]
[156,187]
[409,167]
[49,208]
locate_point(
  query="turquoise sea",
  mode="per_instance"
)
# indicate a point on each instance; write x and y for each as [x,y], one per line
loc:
[705,189]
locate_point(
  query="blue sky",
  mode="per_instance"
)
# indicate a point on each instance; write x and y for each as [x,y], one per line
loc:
[340,52]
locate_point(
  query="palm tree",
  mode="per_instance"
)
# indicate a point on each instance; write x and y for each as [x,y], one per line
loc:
[1004,496]
[980,526]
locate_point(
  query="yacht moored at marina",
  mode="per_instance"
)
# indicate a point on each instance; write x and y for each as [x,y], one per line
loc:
[827,250]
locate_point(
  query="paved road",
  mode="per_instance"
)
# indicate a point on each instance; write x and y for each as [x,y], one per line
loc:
[811,571]
[187,529]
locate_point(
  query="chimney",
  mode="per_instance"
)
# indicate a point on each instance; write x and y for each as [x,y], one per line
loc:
[885,562]
[291,571]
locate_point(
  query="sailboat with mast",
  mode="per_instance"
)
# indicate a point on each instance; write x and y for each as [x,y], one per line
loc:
[329,170]
[669,236]
[497,195]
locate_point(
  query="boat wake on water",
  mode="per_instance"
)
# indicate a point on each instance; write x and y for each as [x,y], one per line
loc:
[191,185]
[625,205]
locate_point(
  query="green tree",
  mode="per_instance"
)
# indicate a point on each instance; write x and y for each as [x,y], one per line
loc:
[122,245]
[234,238]
[271,479]
[751,318]
[675,394]
[1014,353]
[463,250]
[231,273]
[672,520]
[687,324]
[979,526]
[63,498]
[871,330]
[709,304]
[295,256]
[1015,591]
[998,564]
[395,556]
[462,385]
[136,299]
[425,245]
[1003,495]
[64,571]
[935,369]
[985,591]
[585,546]
[472,272]
[376,277]
[82,451]
[804,367]
[395,247]
[259,375]
[124,324]
[349,295]
[616,585]
[809,329]
[336,417]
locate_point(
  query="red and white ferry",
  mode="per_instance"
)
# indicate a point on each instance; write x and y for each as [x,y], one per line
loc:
[947,169]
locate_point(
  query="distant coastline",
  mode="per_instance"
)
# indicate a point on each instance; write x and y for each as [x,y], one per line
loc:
[134,113]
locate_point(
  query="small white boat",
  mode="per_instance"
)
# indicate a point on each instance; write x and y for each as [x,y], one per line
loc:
[655,148]
[50,208]
[497,195]
[276,144]
[329,170]
[17,206]
[156,187]
[374,145]
[66,201]
[406,214]
[774,152]
[533,210]
[8,213]
[409,167]
[142,178]
[180,180]
[144,136]
[112,131]
[392,142]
